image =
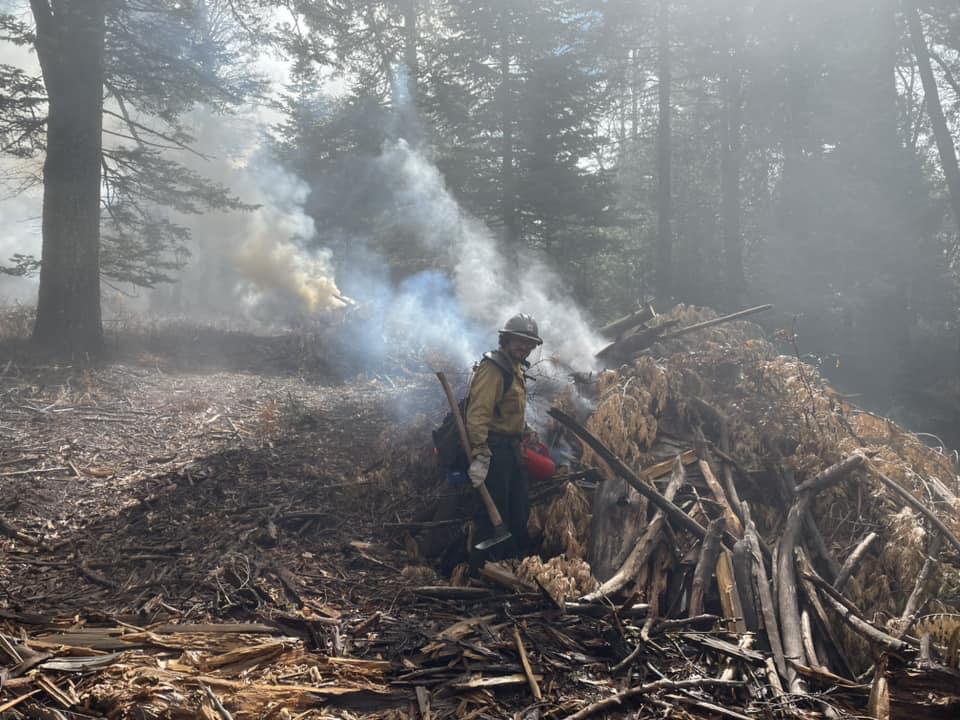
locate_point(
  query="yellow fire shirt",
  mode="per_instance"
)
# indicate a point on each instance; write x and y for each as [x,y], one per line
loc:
[487,411]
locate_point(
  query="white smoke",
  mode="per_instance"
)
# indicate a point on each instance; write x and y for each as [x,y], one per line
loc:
[261,265]
[250,266]
[487,285]
[20,234]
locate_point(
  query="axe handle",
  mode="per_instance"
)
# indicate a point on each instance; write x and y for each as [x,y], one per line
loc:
[488,502]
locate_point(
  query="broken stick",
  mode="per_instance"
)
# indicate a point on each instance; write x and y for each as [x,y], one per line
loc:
[652,687]
[709,552]
[851,563]
[527,670]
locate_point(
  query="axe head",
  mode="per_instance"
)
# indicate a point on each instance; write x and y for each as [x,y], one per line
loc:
[500,535]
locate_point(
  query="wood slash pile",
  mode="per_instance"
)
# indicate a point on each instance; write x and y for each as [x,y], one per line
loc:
[825,536]
[731,481]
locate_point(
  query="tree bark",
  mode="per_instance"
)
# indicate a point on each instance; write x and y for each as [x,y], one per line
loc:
[730,162]
[410,42]
[706,565]
[641,551]
[664,252]
[70,48]
[619,514]
[945,146]
[508,198]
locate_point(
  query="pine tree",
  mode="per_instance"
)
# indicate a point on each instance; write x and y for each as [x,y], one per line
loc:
[117,77]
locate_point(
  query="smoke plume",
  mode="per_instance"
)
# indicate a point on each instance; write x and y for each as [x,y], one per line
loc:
[487,285]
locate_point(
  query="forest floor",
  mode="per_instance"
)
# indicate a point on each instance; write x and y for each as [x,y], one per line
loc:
[196,527]
[209,481]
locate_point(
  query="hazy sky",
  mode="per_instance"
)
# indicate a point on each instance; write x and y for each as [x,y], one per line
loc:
[19,212]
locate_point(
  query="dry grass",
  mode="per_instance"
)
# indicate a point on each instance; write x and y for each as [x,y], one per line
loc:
[563,578]
[564,524]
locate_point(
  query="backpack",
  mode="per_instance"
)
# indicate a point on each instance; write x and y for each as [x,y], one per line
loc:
[446,438]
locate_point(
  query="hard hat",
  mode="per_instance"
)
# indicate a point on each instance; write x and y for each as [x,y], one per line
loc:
[522,326]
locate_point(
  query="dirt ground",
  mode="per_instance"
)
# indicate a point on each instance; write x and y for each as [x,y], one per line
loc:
[142,476]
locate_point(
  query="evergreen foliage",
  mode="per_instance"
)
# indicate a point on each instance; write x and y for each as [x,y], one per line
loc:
[161,61]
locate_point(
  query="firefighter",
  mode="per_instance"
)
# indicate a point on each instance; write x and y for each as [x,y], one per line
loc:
[496,423]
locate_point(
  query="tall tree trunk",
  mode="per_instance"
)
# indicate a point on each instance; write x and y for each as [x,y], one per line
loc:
[410,43]
[636,86]
[796,172]
[664,249]
[508,200]
[945,147]
[70,47]
[730,163]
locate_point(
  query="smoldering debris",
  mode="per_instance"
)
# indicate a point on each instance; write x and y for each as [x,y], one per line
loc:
[825,535]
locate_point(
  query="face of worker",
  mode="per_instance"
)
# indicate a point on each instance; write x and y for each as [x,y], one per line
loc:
[519,348]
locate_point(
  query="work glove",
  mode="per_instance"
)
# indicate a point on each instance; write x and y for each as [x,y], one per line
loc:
[478,470]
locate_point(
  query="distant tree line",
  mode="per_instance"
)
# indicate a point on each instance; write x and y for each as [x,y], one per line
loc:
[707,151]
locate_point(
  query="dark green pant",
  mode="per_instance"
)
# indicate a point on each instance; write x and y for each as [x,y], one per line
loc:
[509,488]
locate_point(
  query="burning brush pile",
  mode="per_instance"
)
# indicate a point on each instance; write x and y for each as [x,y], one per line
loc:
[720,478]
[834,528]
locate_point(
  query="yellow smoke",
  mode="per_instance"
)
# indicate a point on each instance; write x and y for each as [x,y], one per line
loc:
[281,269]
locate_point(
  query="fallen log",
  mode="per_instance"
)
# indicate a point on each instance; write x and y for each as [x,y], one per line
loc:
[764,595]
[706,564]
[853,560]
[852,616]
[732,518]
[729,595]
[874,635]
[623,325]
[716,321]
[743,574]
[787,602]
[634,343]
[618,515]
